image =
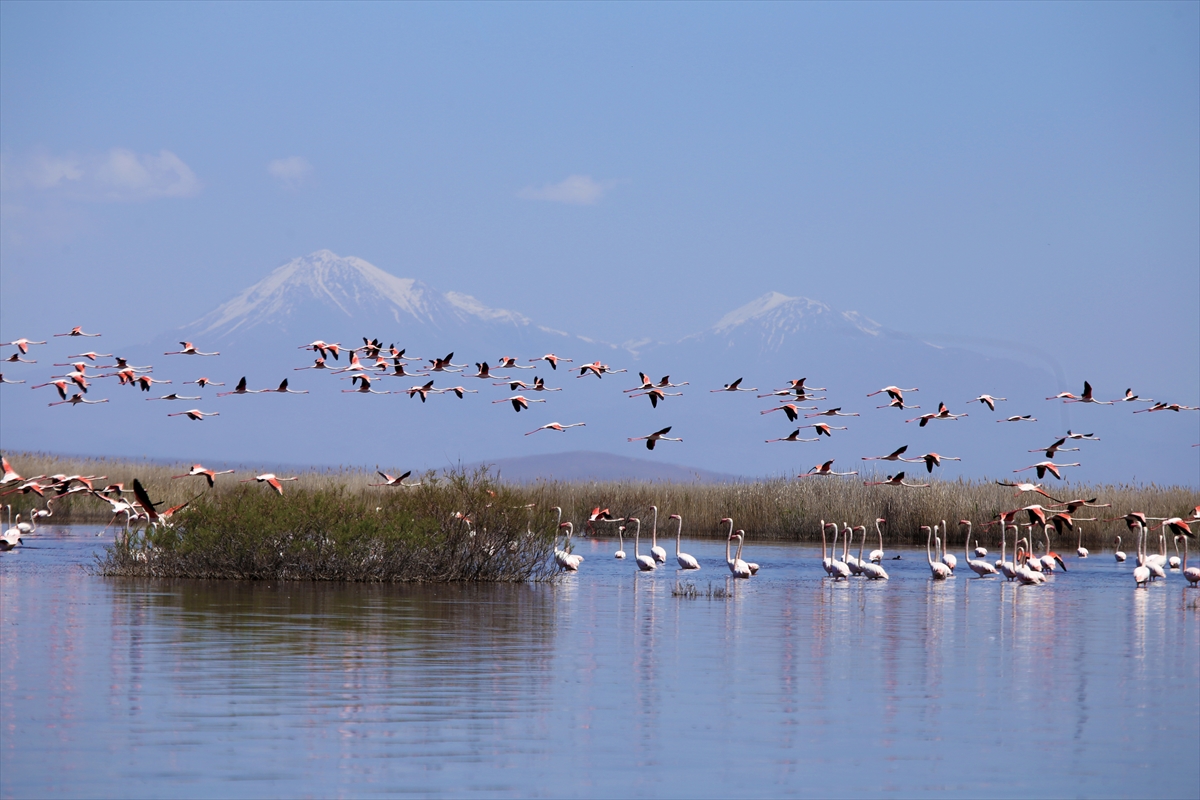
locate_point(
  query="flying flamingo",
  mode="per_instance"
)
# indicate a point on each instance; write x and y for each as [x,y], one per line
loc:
[189,349]
[317,364]
[556,426]
[792,395]
[897,403]
[76,331]
[200,470]
[399,371]
[1088,436]
[240,389]
[1168,407]
[484,372]
[686,561]
[91,355]
[60,385]
[355,365]
[424,391]
[988,400]
[202,382]
[896,480]
[551,359]
[833,412]
[15,358]
[1130,397]
[733,387]
[324,348]
[364,386]
[20,344]
[790,409]
[395,480]
[1056,447]
[892,456]
[196,414]
[794,436]
[824,429]
[172,396]
[10,474]
[1043,467]
[655,395]
[598,369]
[271,480]
[458,391]
[653,438]
[942,413]
[519,401]
[508,362]
[539,385]
[1027,487]
[283,389]
[823,470]
[77,399]
[931,460]
[1020,418]
[6,380]
[939,570]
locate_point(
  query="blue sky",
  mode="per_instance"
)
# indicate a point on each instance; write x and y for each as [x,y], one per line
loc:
[1025,172]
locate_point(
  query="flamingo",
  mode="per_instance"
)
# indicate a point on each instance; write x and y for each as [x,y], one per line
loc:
[77,399]
[988,400]
[659,553]
[269,478]
[1019,418]
[653,438]
[739,568]
[1051,559]
[15,358]
[1080,550]
[790,409]
[1028,572]
[947,558]
[76,331]
[942,413]
[202,382]
[896,403]
[364,386]
[823,470]
[1168,407]
[283,389]
[556,426]
[1141,573]
[458,391]
[1119,554]
[838,569]
[144,382]
[621,545]
[1130,397]
[1043,467]
[172,396]
[1086,397]
[939,570]
[894,392]
[21,344]
[10,475]
[189,349]
[1089,436]
[873,571]
[565,558]
[892,456]
[847,543]
[426,388]
[324,348]
[823,429]
[1056,447]
[239,389]
[1026,487]
[685,561]
[826,561]
[656,395]
[394,480]
[551,359]
[877,555]
[519,401]
[508,362]
[444,364]
[1006,567]
[195,414]
[833,412]
[1191,574]
[733,387]
[897,480]
[209,475]
[6,380]
[931,460]
[794,436]
[644,563]
[61,386]
[978,566]
[738,555]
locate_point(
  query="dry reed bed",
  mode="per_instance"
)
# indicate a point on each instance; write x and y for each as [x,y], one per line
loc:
[780,510]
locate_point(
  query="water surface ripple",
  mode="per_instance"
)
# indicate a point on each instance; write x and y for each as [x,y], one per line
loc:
[602,684]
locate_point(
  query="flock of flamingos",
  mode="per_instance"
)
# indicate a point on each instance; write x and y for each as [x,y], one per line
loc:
[371,363]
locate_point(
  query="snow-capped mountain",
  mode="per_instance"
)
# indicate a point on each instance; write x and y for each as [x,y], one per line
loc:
[324,288]
[775,316]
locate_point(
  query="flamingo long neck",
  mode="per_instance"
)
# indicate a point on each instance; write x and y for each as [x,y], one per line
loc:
[967,543]
[1185,549]
[833,550]
[1046,533]
[861,543]
[678,535]
[824,549]
[878,532]
[654,528]
[1118,542]
[847,535]
[928,541]
[728,559]
[621,537]
[1003,542]
[637,537]
[946,533]
[738,555]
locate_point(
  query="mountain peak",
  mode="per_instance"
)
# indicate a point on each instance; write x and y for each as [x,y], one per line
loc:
[775,311]
[324,285]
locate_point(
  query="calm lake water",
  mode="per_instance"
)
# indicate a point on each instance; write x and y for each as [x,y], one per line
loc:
[602,685]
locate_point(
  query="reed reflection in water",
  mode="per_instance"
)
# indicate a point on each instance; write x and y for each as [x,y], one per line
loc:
[601,684]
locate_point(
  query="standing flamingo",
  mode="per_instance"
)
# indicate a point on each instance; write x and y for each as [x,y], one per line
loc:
[739,568]
[873,571]
[1119,554]
[620,542]
[1192,574]
[947,558]
[644,563]
[658,553]
[939,570]
[978,566]
[685,561]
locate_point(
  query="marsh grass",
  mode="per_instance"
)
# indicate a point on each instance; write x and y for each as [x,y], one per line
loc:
[688,591]
[768,510]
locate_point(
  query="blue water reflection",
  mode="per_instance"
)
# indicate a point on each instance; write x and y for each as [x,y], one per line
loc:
[602,684]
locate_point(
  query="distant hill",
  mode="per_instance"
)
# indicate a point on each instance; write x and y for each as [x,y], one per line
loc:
[583,465]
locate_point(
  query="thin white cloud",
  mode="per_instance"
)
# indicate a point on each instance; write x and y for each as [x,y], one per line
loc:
[579,190]
[291,172]
[119,174]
